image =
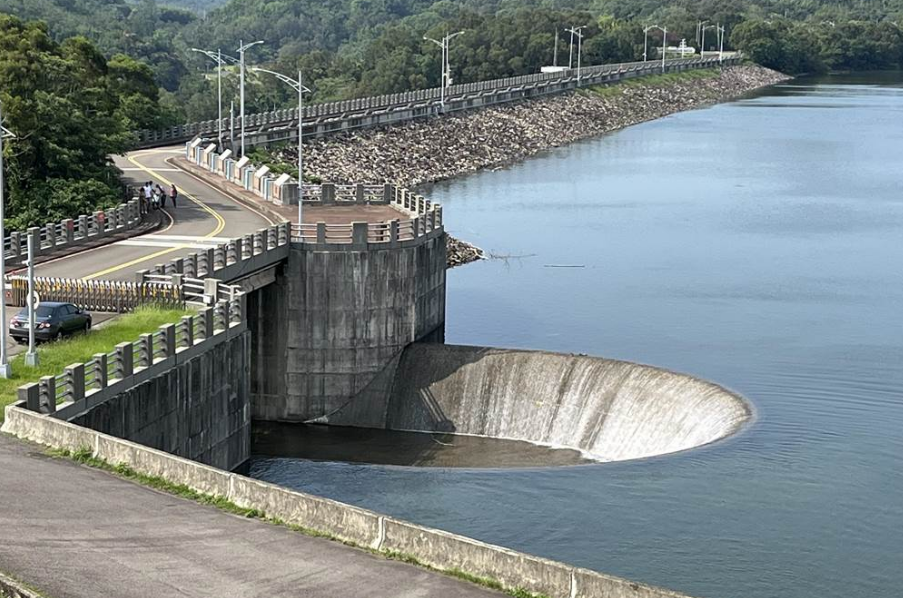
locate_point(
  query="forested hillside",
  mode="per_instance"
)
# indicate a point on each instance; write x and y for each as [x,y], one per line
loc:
[350,48]
[69,108]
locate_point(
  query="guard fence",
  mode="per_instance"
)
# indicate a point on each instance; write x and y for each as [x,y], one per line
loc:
[72,231]
[221,309]
[350,114]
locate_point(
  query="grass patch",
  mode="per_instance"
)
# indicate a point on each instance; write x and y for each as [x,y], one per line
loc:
[55,356]
[659,80]
[84,456]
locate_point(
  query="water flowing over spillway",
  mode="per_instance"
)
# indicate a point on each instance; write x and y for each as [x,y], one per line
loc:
[611,410]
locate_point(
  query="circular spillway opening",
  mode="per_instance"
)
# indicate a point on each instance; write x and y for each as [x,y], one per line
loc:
[454,406]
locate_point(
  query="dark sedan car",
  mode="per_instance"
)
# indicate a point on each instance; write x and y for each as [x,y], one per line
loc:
[53,320]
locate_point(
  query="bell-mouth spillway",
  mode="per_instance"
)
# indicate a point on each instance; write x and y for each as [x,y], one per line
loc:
[605,409]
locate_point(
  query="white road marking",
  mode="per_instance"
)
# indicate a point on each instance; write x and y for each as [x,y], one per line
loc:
[155,169]
[186,238]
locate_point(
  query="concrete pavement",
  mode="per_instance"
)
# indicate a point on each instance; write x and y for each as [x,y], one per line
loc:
[76,532]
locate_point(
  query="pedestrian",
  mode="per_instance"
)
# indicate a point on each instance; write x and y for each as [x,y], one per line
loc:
[173,194]
[159,193]
[148,192]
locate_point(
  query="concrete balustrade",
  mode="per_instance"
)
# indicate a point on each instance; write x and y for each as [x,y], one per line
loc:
[70,232]
[323,119]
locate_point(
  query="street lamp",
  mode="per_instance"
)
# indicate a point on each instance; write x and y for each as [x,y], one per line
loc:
[446,70]
[299,87]
[5,371]
[664,31]
[220,61]
[721,44]
[576,31]
[242,48]
[702,42]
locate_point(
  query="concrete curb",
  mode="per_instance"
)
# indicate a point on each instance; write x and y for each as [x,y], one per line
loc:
[11,588]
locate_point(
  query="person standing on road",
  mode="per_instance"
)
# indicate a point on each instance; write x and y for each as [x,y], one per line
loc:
[173,194]
[158,192]
[148,192]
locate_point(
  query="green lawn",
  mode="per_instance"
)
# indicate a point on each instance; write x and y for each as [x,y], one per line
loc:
[55,356]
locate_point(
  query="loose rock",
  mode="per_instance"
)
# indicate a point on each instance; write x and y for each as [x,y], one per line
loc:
[434,149]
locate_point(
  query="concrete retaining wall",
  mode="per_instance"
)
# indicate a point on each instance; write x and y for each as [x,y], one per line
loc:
[442,550]
[336,319]
[199,408]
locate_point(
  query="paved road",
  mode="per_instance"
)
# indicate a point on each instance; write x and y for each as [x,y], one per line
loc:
[76,532]
[203,217]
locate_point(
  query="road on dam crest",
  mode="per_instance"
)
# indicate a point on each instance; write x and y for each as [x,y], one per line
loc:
[77,532]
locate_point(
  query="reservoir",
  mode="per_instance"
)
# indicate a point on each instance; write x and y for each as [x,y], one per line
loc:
[757,244]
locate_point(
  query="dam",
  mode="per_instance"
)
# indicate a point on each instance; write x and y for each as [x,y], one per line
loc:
[783,296]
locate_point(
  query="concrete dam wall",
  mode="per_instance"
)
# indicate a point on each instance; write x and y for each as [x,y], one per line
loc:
[611,410]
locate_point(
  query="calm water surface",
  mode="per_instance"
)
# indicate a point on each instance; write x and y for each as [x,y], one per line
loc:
[758,244]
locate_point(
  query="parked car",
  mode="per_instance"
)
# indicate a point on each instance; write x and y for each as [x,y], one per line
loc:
[53,320]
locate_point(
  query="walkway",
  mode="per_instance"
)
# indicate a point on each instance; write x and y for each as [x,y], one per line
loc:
[77,532]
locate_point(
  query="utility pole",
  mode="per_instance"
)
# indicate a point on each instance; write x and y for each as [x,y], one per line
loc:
[242,48]
[5,370]
[299,87]
[555,51]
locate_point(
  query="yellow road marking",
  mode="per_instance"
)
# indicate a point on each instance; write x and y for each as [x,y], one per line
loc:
[221,222]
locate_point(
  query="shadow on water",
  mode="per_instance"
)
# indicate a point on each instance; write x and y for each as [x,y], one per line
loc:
[412,449]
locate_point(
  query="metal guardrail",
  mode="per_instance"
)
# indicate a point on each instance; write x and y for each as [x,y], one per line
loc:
[349,114]
[97,295]
[108,374]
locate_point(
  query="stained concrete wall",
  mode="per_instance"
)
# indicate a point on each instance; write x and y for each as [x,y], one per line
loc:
[198,409]
[335,322]
[611,410]
[437,548]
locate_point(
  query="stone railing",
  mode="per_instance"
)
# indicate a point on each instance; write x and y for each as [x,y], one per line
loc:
[420,216]
[72,231]
[350,114]
[229,260]
[83,385]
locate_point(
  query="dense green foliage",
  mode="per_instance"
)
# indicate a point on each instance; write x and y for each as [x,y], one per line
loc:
[70,109]
[351,48]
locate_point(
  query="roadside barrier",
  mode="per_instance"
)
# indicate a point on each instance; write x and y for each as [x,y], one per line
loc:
[81,385]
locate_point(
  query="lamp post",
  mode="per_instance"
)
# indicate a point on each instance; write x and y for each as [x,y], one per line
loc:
[664,31]
[31,357]
[242,48]
[577,31]
[721,44]
[5,371]
[220,59]
[702,42]
[446,70]
[299,87]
